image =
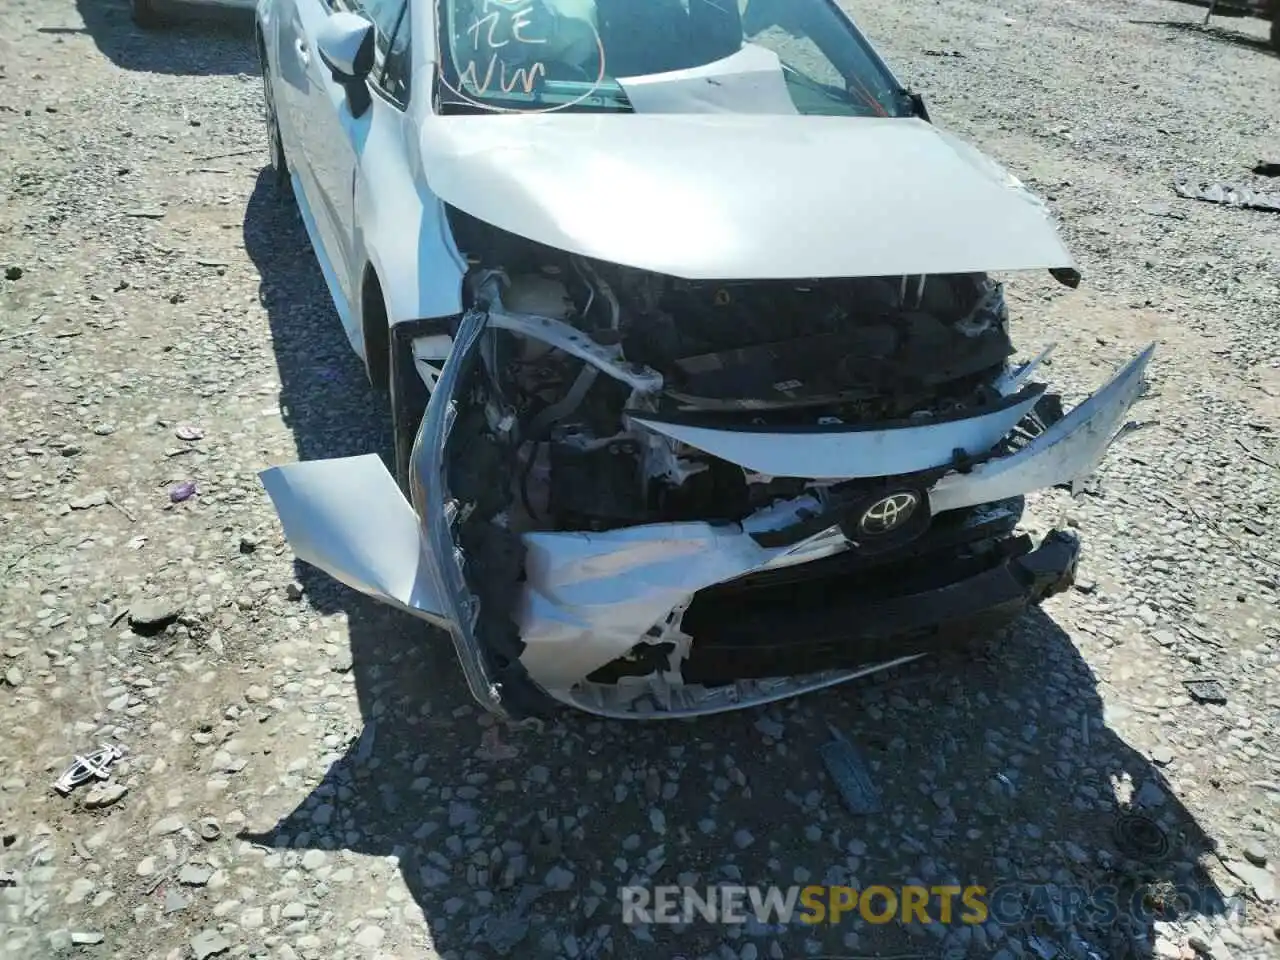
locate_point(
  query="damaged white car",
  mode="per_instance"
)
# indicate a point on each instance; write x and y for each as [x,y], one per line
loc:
[702,390]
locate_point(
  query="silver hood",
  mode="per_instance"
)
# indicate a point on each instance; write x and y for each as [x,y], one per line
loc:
[727,196]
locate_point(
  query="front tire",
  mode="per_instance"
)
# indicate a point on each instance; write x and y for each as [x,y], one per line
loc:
[275,142]
[145,15]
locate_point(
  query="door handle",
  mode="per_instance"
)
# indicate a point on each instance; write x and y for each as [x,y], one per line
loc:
[300,47]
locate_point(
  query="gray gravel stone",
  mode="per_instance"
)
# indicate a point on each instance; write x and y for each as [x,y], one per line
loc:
[209,943]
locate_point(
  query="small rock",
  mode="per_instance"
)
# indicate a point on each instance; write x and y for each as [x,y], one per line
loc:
[558,878]
[153,612]
[770,728]
[1255,854]
[257,694]
[293,591]
[209,943]
[209,829]
[1150,795]
[294,911]
[1162,755]
[104,795]
[90,500]
[370,937]
[313,860]
[84,938]
[13,677]
[13,273]
[1259,878]
[194,875]
[166,826]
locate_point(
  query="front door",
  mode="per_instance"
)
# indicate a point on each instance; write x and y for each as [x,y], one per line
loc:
[334,138]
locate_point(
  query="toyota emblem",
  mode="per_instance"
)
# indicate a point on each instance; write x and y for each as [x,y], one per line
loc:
[889,513]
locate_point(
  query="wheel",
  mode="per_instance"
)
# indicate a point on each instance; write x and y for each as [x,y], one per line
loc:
[145,14]
[275,143]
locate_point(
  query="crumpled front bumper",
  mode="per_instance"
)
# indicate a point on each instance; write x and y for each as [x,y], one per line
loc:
[589,598]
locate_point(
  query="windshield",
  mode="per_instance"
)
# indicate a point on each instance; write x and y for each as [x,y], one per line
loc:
[743,56]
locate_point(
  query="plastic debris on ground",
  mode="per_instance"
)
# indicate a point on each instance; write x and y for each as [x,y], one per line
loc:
[96,766]
[1205,691]
[182,491]
[1231,195]
[850,775]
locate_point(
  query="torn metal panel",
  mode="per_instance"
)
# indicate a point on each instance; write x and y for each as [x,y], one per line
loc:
[844,452]
[348,517]
[697,196]
[1071,448]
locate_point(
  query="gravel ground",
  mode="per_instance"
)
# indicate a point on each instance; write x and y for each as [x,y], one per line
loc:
[306,776]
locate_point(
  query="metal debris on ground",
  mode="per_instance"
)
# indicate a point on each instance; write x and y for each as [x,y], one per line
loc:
[1231,195]
[1205,691]
[850,775]
[96,766]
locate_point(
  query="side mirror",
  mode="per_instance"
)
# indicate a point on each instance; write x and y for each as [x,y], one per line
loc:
[345,43]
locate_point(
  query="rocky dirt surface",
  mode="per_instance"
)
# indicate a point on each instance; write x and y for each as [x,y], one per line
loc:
[306,776]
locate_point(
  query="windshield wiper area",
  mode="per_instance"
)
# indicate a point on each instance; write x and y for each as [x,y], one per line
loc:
[835,94]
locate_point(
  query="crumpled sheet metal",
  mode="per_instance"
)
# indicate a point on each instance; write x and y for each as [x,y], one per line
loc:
[1230,195]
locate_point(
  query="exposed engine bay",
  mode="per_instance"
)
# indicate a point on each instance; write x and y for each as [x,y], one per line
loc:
[780,355]
[641,495]
[559,432]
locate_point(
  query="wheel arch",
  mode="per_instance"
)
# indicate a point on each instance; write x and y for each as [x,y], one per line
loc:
[375,328]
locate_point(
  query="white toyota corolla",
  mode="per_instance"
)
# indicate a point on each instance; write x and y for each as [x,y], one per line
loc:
[702,390]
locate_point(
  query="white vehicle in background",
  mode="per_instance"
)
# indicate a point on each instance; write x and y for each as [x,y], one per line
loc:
[156,13]
[701,389]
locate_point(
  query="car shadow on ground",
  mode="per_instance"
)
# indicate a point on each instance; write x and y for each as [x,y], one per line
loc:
[1218,34]
[995,767]
[200,42]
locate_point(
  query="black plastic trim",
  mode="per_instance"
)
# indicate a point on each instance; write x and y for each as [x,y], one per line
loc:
[719,421]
